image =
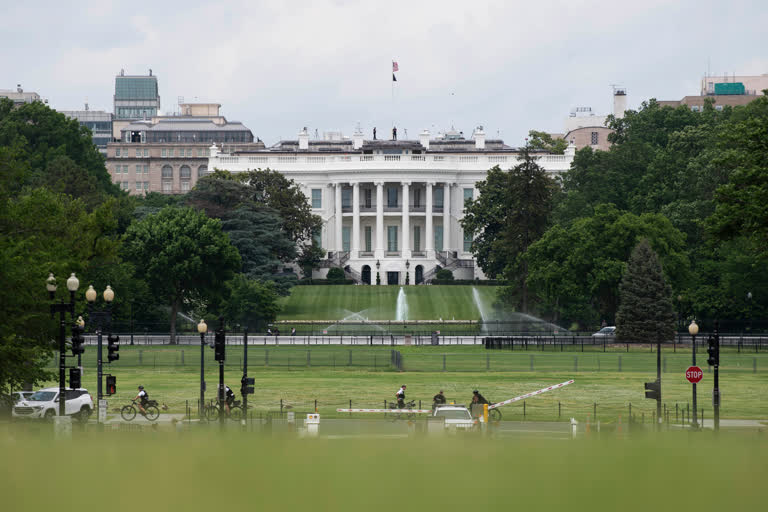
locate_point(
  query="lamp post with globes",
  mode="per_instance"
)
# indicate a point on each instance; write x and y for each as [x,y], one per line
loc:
[202,328]
[100,320]
[749,313]
[693,330]
[62,308]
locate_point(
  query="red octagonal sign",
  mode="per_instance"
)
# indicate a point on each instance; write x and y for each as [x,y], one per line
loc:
[694,374]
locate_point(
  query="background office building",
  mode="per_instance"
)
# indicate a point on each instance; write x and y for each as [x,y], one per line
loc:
[169,154]
[98,121]
[136,97]
[19,96]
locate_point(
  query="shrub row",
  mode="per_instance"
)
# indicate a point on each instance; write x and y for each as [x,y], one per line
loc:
[474,282]
[310,282]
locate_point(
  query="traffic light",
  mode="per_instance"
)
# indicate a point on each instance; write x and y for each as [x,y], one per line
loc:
[218,345]
[74,378]
[246,387]
[111,385]
[77,339]
[653,390]
[713,350]
[113,347]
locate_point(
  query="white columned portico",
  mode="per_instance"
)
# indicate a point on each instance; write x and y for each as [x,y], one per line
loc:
[355,219]
[447,216]
[429,245]
[406,251]
[337,243]
[379,253]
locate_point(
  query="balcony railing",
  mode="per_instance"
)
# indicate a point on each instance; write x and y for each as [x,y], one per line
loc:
[366,254]
[418,209]
[392,254]
[397,208]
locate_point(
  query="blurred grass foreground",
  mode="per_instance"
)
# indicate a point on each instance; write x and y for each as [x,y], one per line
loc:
[191,471]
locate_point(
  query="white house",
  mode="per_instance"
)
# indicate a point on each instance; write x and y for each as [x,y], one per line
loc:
[389,206]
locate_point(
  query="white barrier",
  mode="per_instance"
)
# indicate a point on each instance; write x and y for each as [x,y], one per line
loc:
[528,395]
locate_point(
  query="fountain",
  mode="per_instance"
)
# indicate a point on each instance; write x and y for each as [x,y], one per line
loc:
[401,310]
[480,309]
[355,317]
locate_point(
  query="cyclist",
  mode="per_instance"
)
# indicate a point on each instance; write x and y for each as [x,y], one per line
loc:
[143,398]
[477,398]
[229,396]
[438,399]
[400,395]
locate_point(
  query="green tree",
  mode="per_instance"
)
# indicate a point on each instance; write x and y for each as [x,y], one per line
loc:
[575,269]
[444,275]
[250,303]
[646,314]
[542,141]
[512,211]
[336,274]
[184,255]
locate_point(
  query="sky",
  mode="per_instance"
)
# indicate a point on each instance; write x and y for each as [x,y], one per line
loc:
[327,64]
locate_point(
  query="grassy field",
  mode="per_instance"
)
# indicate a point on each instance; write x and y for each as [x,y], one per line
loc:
[205,470]
[598,381]
[379,302]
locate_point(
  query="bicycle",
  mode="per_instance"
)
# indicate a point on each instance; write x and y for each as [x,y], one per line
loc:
[236,412]
[398,415]
[128,412]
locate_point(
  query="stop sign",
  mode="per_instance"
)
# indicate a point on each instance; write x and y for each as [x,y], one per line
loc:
[693,374]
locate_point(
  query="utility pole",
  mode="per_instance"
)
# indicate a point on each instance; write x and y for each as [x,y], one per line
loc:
[715,358]
[202,328]
[220,348]
[658,380]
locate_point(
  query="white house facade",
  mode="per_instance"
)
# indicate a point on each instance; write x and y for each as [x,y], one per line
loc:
[389,208]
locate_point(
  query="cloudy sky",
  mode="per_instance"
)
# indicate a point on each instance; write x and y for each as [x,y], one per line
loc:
[277,66]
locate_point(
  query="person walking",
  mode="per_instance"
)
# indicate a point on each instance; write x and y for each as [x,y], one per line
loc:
[394,133]
[400,395]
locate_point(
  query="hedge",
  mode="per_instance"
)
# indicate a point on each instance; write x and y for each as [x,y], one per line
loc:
[474,282]
[311,282]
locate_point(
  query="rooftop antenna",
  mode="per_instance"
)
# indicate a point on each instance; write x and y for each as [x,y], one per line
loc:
[86,104]
[150,71]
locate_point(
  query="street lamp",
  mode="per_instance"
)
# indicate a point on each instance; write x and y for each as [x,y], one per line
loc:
[101,320]
[202,328]
[62,308]
[693,330]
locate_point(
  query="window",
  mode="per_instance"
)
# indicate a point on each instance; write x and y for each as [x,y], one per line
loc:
[171,153]
[202,171]
[185,172]
[367,195]
[392,238]
[138,152]
[189,152]
[594,138]
[185,186]
[317,198]
[317,236]
[468,194]
[164,152]
[124,185]
[438,238]
[138,186]
[718,107]
[146,151]
[345,232]
[417,238]
[417,197]
[117,151]
[139,168]
[167,186]
[695,108]
[146,185]
[467,240]
[146,169]
[117,169]
[125,169]
[346,198]
[200,152]
[392,197]
[167,171]
[439,194]
[368,244]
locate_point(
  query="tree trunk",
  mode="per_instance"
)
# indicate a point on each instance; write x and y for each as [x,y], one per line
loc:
[174,312]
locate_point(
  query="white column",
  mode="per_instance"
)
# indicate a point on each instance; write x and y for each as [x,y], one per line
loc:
[379,249]
[429,245]
[355,219]
[406,246]
[447,216]
[339,219]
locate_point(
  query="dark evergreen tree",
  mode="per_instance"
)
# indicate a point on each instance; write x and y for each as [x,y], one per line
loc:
[646,314]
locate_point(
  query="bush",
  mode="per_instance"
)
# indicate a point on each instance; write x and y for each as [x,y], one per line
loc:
[378,278]
[311,282]
[336,274]
[474,282]
[444,275]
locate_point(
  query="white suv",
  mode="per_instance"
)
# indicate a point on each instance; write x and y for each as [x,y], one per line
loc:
[45,404]
[456,416]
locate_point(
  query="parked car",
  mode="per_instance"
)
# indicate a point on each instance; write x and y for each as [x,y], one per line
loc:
[456,416]
[45,404]
[18,396]
[606,331]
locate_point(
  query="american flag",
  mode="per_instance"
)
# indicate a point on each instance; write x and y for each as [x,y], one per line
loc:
[394,66]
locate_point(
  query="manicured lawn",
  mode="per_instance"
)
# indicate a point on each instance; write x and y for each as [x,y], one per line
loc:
[380,302]
[371,380]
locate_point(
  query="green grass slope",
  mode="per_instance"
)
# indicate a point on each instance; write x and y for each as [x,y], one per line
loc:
[379,302]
